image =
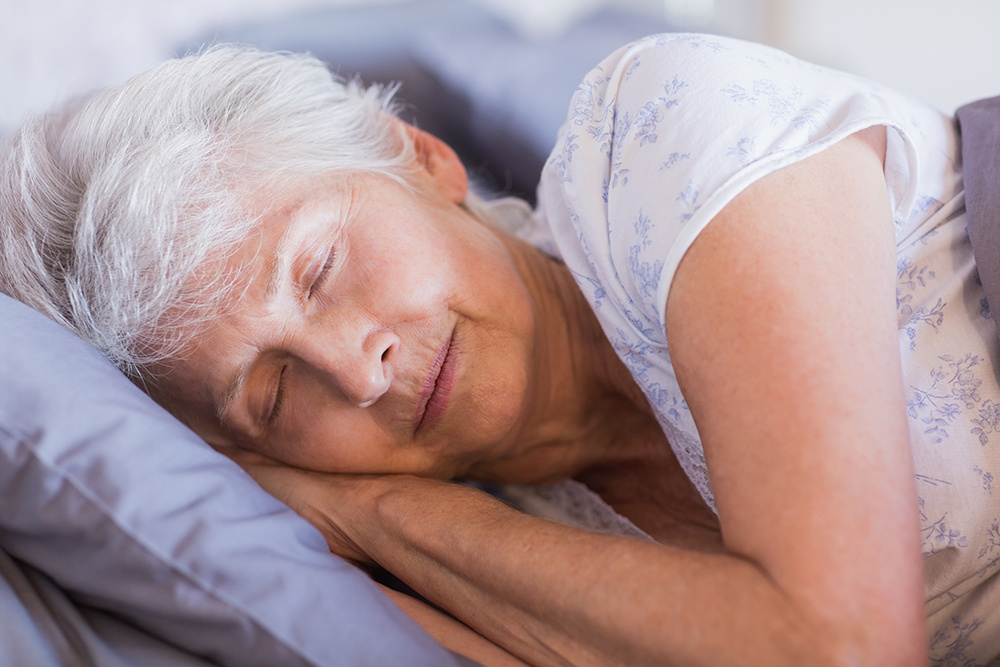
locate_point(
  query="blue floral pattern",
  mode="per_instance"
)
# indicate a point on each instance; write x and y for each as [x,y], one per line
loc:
[666,131]
[953,642]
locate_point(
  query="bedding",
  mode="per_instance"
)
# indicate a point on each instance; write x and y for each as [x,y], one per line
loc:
[139,522]
[43,626]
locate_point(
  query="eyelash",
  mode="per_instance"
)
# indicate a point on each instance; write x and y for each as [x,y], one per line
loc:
[323,273]
[279,398]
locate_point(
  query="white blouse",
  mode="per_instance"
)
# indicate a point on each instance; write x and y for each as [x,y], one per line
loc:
[661,136]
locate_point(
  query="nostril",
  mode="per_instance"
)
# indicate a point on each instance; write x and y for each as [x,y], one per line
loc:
[387,351]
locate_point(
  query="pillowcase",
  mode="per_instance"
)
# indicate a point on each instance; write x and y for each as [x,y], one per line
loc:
[130,512]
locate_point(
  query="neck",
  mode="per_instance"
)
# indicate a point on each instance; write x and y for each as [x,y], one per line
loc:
[585,408]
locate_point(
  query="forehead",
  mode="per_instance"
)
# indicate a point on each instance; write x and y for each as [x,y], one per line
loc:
[196,381]
[294,224]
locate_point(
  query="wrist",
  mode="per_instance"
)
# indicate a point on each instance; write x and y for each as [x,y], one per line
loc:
[420,515]
[392,506]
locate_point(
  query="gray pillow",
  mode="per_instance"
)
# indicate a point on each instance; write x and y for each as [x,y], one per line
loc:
[508,96]
[131,513]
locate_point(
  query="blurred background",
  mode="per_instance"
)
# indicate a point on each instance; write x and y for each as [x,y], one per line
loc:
[944,52]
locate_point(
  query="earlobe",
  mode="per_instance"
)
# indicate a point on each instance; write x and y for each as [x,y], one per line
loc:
[440,163]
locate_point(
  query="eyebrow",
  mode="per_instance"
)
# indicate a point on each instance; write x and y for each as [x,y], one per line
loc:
[233,389]
[276,266]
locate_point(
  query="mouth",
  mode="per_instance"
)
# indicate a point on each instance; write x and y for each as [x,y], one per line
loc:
[437,387]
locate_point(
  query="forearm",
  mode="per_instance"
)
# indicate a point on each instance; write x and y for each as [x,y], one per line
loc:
[452,634]
[556,595]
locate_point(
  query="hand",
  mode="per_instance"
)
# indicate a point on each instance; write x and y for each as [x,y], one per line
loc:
[338,505]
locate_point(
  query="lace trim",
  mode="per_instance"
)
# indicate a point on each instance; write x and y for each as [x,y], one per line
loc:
[572,504]
[691,456]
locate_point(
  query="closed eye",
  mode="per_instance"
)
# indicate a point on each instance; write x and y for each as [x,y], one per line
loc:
[279,398]
[323,273]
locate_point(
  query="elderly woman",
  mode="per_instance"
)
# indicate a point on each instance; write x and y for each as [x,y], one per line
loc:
[745,314]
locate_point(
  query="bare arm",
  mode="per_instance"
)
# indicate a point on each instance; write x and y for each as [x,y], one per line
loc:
[792,373]
[800,403]
[452,634]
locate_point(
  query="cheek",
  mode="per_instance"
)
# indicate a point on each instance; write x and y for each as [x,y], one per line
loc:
[496,391]
[408,281]
[320,431]
[182,390]
[328,440]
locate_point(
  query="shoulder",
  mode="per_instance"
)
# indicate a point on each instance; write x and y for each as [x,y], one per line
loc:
[708,106]
[664,132]
[679,68]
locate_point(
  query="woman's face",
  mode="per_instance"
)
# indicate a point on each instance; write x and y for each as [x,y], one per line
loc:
[376,330]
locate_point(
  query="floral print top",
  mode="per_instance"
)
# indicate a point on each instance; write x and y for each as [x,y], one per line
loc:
[661,136]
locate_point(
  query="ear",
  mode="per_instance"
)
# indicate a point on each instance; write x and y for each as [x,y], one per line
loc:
[440,164]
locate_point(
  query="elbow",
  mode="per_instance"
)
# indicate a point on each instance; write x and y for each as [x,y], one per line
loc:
[857,626]
[859,644]
[856,655]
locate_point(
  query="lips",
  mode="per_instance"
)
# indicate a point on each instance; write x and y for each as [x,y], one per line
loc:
[437,386]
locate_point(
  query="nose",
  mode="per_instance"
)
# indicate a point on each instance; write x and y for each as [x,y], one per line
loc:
[359,362]
[374,375]
[369,376]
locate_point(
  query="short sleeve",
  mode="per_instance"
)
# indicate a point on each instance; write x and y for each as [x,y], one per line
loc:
[659,138]
[668,130]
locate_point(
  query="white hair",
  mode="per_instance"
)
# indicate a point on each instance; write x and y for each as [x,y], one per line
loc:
[109,207]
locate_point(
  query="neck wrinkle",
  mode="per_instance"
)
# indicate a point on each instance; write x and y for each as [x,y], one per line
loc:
[570,430]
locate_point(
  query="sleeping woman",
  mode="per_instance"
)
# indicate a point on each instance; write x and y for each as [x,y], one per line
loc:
[745,314]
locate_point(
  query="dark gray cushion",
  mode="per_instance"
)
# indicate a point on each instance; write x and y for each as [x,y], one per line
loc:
[980,127]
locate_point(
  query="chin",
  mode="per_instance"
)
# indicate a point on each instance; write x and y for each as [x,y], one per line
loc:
[492,438]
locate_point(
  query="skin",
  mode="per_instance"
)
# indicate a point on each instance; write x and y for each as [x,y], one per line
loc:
[351,290]
[814,557]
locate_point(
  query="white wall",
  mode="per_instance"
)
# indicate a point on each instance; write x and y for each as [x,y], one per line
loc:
[945,51]
[52,49]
